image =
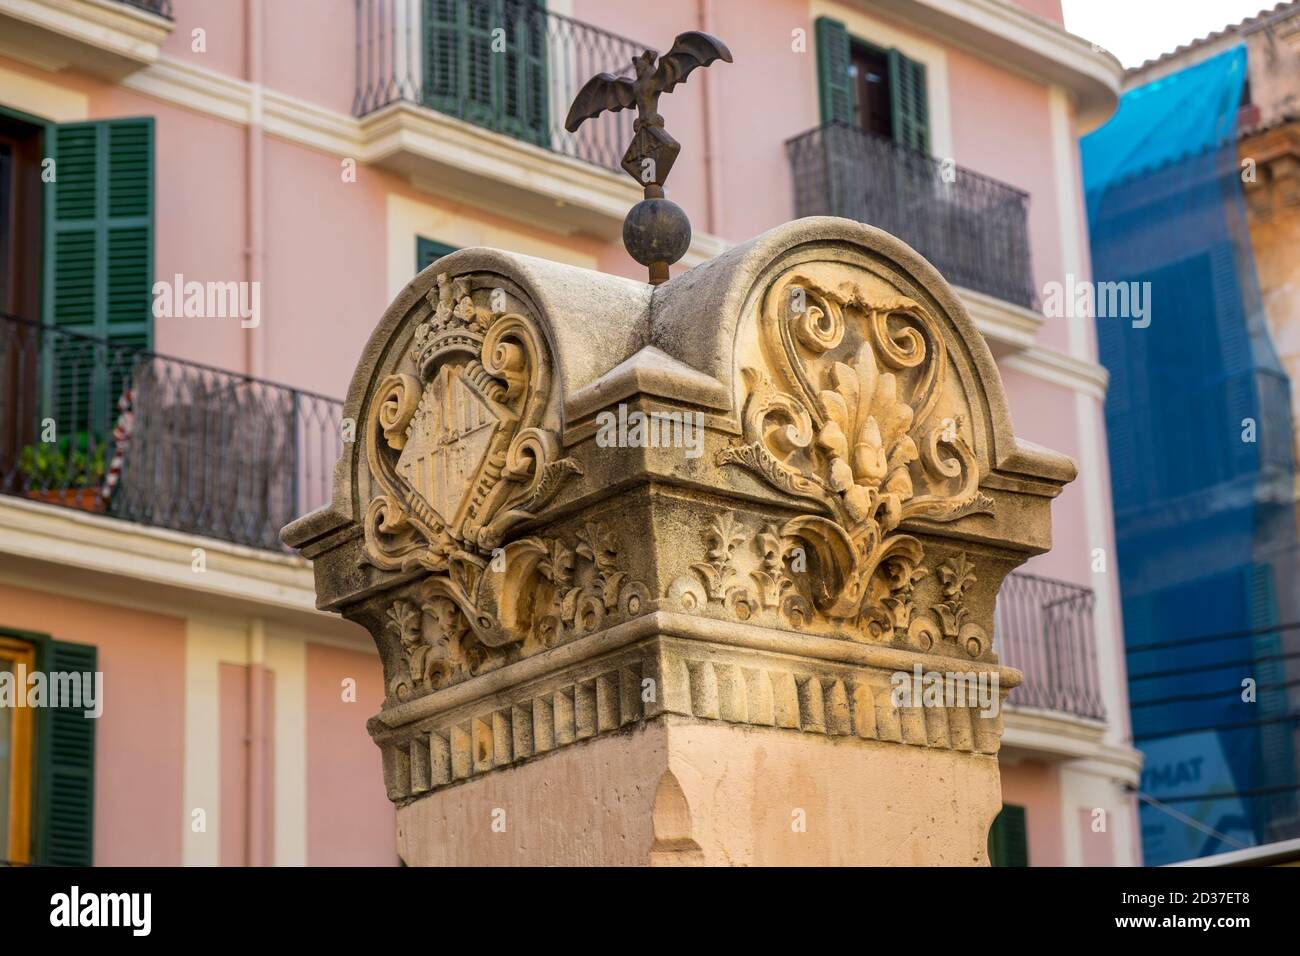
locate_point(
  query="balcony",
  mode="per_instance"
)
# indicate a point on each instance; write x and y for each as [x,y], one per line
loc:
[110,38]
[467,98]
[111,429]
[973,229]
[1044,628]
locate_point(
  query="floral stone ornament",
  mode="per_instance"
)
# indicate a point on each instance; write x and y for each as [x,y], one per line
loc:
[845,412]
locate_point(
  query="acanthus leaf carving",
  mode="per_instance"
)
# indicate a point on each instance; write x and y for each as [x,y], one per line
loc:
[845,416]
[533,594]
[431,636]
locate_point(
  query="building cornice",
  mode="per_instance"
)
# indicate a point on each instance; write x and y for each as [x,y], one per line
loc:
[1060,368]
[38,532]
[1011,35]
[100,36]
[1064,736]
[1008,328]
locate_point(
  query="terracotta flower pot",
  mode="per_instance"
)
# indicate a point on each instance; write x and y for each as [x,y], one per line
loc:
[85,499]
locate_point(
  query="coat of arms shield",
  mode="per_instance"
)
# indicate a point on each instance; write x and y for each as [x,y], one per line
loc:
[448,439]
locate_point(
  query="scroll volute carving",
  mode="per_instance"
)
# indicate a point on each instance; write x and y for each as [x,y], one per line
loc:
[455,437]
[462,446]
[855,409]
[459,453]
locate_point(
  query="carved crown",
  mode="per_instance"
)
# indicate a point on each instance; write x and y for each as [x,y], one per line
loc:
[457,324]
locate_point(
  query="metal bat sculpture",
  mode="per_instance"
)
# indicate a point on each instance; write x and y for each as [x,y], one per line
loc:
[653,231]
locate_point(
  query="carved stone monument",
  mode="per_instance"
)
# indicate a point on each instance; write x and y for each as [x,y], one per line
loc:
[701,572]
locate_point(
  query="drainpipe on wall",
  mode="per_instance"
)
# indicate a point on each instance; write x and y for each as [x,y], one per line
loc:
[255,830]
[712,161]
[253,166]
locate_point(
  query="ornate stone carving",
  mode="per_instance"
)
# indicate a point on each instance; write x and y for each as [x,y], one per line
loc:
[958,575]
[535,593]
[800,577]
[438,753]
[435,646]
[834,700]
[846,414]
[582,589]
[457,443]
[455,437]
[764,584]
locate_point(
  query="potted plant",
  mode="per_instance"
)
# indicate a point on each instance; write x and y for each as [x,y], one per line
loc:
[54,475]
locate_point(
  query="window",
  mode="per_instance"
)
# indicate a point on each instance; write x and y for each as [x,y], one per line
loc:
[869,68]
[17,658]
[1008,838]
[21,151]
[880,91]
[21,211]
[47,758]
[501,89]
[427,251]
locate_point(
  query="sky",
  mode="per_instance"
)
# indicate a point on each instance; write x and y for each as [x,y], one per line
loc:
[1140,30]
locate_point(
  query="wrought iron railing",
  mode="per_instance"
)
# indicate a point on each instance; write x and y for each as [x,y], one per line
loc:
[108,428]
[973,229]
[507,65]
[162,8]
[1044,628]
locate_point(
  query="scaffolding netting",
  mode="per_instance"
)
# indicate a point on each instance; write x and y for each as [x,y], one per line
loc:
[1199,428]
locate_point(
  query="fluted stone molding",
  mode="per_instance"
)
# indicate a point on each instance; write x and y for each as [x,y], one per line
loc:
[682,646]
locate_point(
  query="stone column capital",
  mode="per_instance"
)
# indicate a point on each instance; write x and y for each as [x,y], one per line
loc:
[779,491]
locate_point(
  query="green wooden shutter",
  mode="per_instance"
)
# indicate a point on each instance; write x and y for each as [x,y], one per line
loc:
[443,58]
[479,94]
[503,91]
[1008,838]
[65,767]
[910,103]
[521,81]
[427,251]
[98,265]
[834,84]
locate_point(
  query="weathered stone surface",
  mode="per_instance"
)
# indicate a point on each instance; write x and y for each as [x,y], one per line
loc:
[825,493]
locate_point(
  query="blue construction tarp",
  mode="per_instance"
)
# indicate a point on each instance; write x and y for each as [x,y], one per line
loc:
[1199,429]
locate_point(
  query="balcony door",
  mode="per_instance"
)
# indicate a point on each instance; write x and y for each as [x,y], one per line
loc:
[22,146]
[485,61]
[879,91]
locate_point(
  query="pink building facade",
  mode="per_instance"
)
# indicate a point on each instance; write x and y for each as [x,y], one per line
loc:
[322,149]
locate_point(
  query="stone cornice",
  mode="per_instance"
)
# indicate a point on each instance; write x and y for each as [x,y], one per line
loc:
[744,637]
[79,540]
[670,666]
[101,36]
